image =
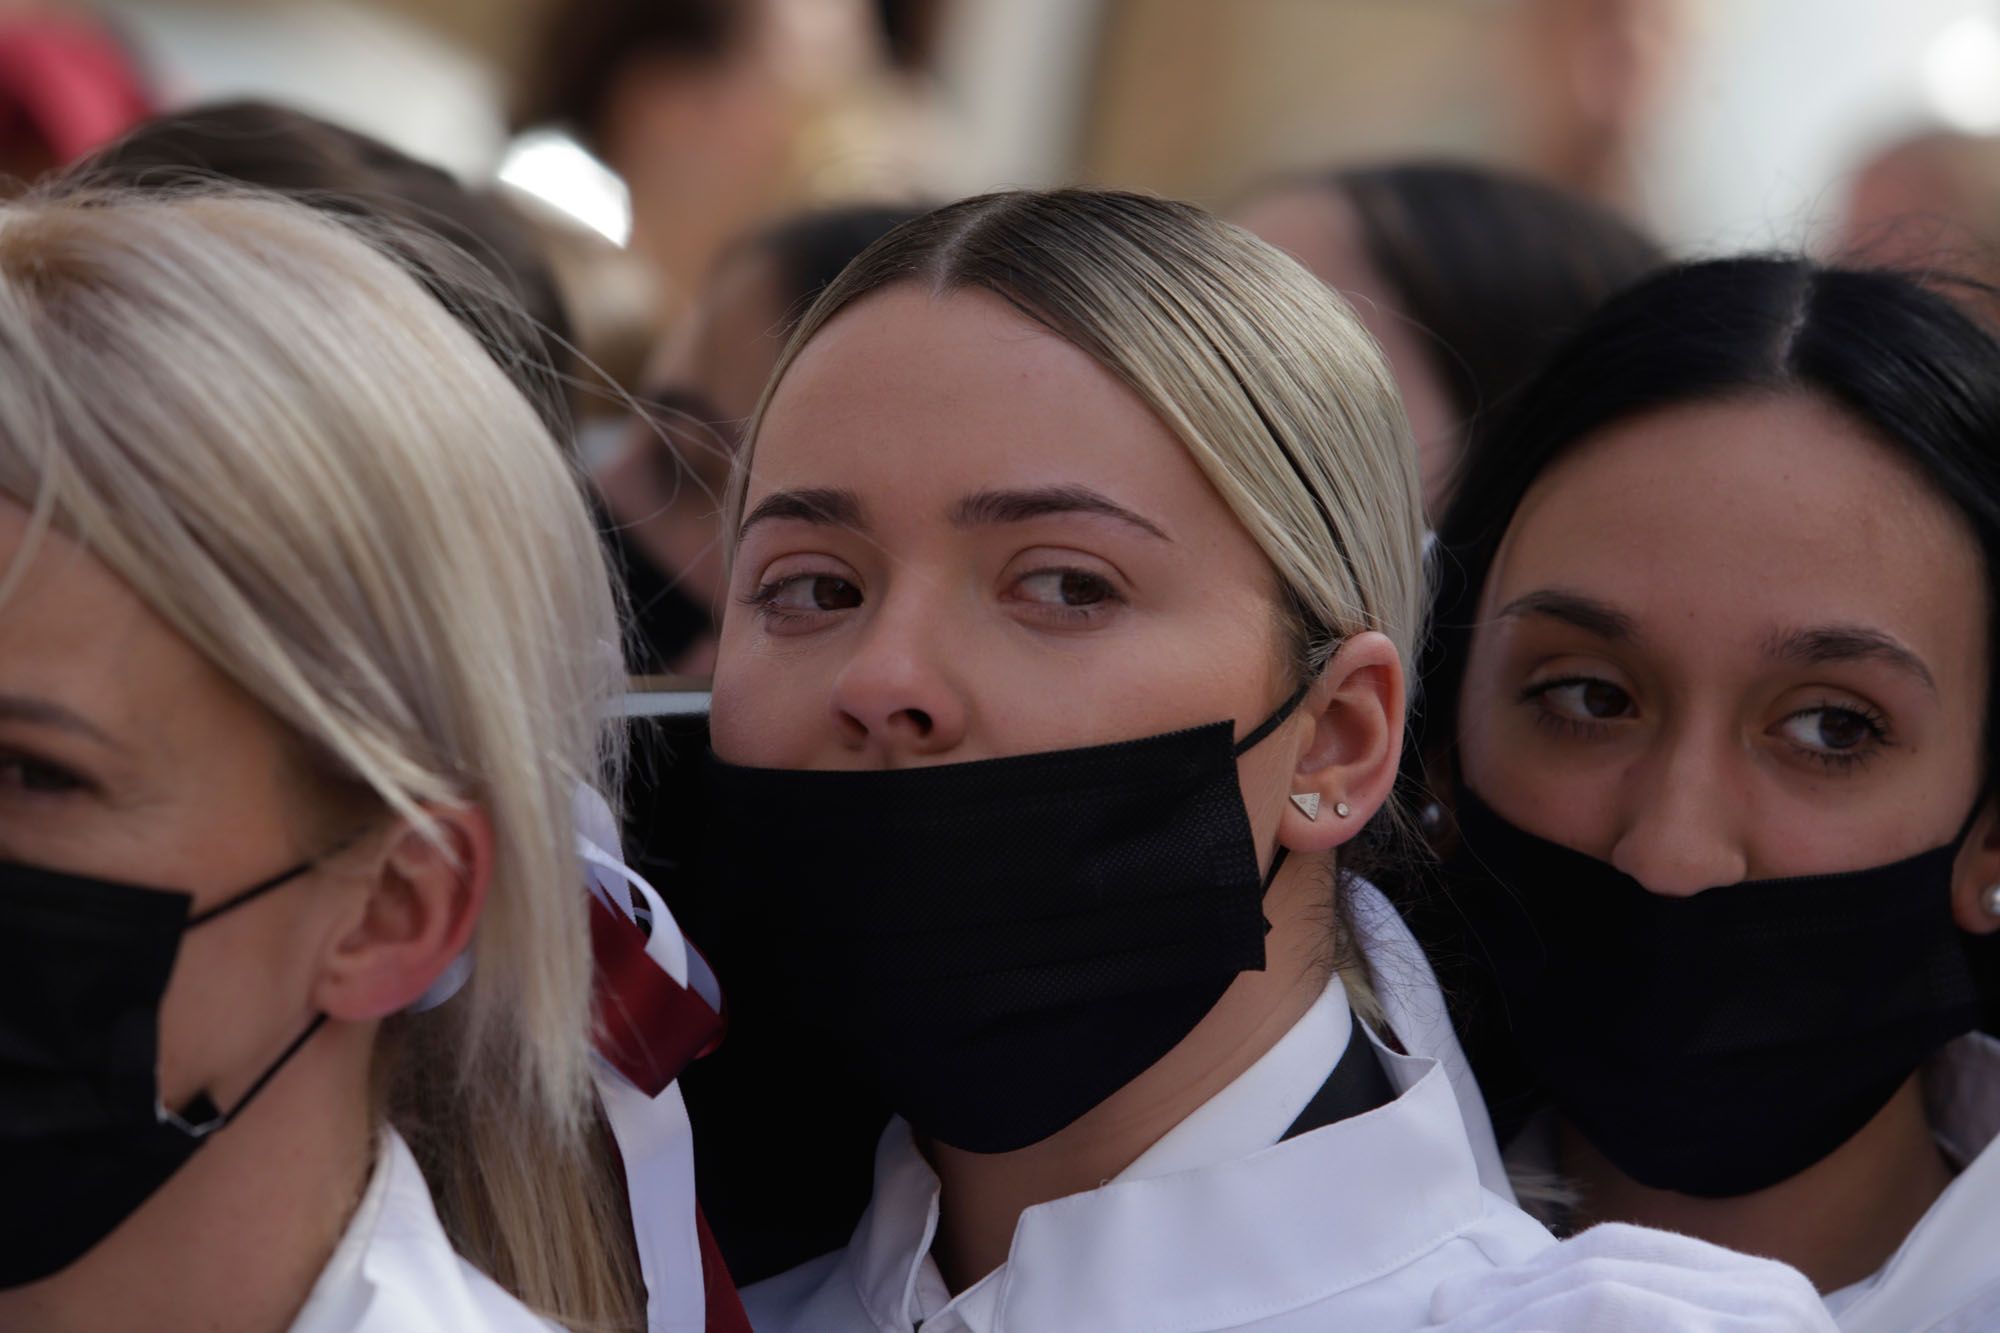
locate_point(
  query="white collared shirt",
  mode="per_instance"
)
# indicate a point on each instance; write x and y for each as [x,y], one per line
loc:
[1225,1225]
[395,1272]
[1945,1276]
[1349,1226]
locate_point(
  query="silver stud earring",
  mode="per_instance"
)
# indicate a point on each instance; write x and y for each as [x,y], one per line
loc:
[1993,900]
[1340,808]
[1308,803]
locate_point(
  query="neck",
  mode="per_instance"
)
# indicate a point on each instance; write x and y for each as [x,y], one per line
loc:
[235,1239]
[1838,1221]
[982,1195]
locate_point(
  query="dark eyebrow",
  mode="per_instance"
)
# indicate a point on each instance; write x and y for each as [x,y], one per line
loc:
[831,506]
[1585,613]
[47,713]
[1848,643]
[983,507]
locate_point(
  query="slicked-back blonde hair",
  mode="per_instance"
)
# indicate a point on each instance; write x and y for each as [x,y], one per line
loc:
[1268,379]
[298,459]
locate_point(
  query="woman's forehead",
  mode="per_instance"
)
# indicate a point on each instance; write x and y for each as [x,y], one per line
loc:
[1742,516]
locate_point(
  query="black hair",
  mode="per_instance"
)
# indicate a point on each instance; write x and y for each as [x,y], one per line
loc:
[349,174]
[587,43]
[809,249]
[1497,269]
[1902,360]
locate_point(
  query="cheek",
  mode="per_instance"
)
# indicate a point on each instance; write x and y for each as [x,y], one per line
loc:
[239,992]
[760,709]
[1503,757]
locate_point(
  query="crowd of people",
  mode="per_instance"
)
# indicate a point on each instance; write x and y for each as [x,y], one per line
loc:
[1392,759]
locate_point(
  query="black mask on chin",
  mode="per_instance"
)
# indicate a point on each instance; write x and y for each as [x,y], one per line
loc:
[1003,944]
[84,1137]
[1720,1043]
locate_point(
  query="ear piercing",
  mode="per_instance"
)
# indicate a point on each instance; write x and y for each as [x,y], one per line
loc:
[1992,900]
[1308,804]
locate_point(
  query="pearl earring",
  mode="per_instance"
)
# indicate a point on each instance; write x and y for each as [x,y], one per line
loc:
[1993,900]
[1340,808]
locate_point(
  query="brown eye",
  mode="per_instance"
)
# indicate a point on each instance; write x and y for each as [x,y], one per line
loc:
[807,594]
[1070,588]
[832,594]
[1831,730]
[1585,700]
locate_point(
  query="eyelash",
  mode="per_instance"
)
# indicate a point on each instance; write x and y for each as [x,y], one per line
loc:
[16,769]
[764,599]
[1555,723]
[1834,762]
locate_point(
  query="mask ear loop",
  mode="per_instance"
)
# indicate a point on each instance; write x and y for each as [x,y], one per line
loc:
[1259,733]
[250,894]
[209,1119]
[1270,724]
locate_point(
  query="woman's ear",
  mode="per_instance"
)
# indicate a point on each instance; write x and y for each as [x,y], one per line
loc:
[1349,759]
[423,894]
[1976,872]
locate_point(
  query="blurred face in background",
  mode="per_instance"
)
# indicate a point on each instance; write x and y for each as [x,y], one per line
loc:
[1319,228]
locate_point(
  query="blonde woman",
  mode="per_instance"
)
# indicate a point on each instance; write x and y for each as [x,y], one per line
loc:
[1076,571]
[305,643]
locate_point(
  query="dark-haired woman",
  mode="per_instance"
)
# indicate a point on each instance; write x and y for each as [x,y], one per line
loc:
[1712,699]
[1468,277]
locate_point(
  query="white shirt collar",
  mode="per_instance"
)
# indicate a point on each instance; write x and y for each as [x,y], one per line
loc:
[1947,1263]
[1408,1178]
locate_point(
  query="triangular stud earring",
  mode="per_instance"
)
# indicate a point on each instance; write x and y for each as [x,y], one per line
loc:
[1308,803]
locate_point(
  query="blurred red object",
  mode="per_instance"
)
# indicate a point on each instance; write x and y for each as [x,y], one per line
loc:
[67,86]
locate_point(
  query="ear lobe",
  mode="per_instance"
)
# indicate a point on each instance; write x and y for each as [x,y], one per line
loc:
[424,896]
[1975,873]
[1350,761]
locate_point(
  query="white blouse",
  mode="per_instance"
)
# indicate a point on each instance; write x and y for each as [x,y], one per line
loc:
[1382,1221]
[395,1272]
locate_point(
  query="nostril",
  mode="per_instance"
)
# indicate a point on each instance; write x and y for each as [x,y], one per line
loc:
[919,719]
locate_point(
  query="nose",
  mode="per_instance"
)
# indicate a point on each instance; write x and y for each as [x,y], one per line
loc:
[896,698]
[1680,833]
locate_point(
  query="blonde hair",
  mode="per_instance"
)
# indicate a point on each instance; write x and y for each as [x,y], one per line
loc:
[1266,377]
[316,475]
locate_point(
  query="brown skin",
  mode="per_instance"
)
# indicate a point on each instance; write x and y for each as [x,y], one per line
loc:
[1690,755]
[920,640]
[709,373]
[1315,225]
[170,776]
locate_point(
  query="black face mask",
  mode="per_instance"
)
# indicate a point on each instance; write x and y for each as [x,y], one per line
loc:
[1720,1043]
[1004,943]
[84,1138]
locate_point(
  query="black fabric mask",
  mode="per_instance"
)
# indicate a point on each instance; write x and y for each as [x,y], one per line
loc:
[84,1138]
[1720,1043]
[1003,943]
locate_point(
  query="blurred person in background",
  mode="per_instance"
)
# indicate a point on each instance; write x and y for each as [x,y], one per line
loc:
[67,86]
[1929,203]
[664,486]
[720,114]
[1469,278]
